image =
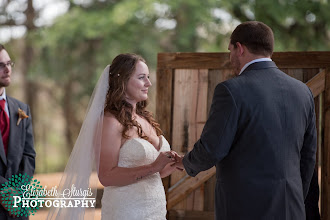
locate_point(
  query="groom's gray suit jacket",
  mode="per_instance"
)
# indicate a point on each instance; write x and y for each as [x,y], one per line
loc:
[21,154]
[261,136]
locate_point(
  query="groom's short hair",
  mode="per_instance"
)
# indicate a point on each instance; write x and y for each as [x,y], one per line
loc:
[256,36]
[2,47]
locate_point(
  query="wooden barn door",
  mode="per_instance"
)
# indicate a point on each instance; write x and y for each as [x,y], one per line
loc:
[185,86]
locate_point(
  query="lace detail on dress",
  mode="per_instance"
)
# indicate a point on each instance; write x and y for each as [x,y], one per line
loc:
[142,200]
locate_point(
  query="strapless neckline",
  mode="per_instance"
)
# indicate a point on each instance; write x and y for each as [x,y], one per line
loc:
[138,139]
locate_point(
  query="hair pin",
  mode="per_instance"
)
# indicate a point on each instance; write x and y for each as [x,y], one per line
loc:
[112,74]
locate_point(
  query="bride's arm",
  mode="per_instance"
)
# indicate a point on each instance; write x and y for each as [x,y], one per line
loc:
[109,172]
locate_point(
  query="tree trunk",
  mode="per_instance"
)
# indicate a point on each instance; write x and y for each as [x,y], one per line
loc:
[70,118]
[30,87]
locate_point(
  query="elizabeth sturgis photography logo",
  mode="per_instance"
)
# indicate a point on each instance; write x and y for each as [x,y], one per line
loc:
[23,196]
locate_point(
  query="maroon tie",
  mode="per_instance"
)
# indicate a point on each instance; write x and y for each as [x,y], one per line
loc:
[4,124]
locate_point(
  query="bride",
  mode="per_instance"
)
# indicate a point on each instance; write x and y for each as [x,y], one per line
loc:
[134,155]
[121,140]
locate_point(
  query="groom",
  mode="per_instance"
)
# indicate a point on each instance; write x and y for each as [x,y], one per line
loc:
[260,134]
[17,155]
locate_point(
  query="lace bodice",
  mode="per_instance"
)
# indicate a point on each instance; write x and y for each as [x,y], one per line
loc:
[144,199]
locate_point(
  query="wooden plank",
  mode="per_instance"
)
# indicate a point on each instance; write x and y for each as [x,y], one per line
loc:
[216,77]
[296,73]
[178,193]
[189,116]
[310,73]
[190,215]
[194,60]
[199,198]
[197,107]
[325,188]
[183,89]
[181,107]
[285,70]
[189,202]
[295,60]
[164,107]
[317,83]
[183,84]
[193,201]
[164,101]
[197,119]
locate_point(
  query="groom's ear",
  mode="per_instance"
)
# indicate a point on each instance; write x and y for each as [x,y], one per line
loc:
[240,48]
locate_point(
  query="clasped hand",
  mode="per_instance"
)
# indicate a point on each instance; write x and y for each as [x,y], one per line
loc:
[171,158]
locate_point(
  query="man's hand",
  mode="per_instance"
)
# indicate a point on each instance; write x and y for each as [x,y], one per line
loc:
[178,162]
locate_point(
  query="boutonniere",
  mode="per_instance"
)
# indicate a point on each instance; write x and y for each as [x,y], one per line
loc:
[21,115]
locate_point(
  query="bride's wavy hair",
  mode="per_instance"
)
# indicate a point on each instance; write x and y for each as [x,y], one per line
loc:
[121,69]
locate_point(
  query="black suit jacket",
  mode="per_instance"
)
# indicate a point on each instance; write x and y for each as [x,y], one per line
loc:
[21,154]
[261,136]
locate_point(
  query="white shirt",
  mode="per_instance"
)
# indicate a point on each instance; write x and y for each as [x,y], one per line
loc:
[254,61]
[3,96]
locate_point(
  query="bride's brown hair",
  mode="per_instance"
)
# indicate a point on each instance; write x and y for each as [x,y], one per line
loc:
[121,69]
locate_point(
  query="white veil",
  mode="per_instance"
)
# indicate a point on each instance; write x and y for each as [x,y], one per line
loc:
[82,167]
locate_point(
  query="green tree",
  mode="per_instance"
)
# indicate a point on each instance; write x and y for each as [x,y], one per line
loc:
[298,25]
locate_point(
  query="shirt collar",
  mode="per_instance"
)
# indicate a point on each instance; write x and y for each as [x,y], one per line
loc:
[3,96]
[254,61]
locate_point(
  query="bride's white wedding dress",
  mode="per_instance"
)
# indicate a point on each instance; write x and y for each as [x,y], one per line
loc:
[144,200]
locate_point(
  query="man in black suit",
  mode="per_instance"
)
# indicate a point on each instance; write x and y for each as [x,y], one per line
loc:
[17,154]
[260,134]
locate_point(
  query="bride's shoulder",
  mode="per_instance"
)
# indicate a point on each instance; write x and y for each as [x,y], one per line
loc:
[111,121]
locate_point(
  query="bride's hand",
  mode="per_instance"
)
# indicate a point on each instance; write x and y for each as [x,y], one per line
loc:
[163,159]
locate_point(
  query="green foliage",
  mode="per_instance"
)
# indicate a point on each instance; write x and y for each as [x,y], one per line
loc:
[298,25]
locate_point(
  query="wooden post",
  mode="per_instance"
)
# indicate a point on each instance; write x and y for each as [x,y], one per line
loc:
[164,101]
[164,107]
[325,198]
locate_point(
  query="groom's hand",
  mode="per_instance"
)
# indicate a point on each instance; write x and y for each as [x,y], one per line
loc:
[178,162]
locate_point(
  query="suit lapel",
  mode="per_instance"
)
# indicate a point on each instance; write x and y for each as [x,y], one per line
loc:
[14,129]
[2,151]
[3,156]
